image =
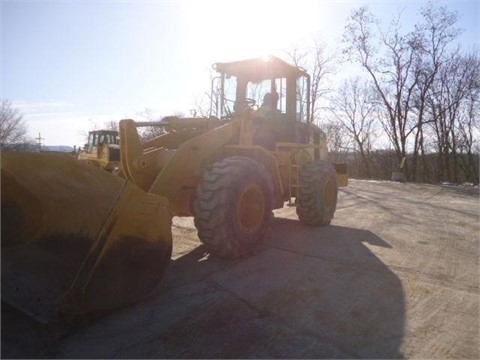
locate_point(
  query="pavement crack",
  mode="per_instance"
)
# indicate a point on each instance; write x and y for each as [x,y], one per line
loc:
[434,195]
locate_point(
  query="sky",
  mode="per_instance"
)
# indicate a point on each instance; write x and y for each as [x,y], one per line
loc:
[72,66]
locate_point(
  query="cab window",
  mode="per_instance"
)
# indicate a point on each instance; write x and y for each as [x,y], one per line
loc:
[302,101]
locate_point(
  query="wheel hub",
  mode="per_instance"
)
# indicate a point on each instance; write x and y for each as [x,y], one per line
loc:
[251,208]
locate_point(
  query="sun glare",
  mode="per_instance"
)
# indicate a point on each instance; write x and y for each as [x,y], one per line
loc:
[214,31]
[245,29]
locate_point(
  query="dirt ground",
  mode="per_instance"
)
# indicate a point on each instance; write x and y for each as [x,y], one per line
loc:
[396,275]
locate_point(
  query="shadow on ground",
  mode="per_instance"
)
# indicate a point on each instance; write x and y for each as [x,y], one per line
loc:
[307,293]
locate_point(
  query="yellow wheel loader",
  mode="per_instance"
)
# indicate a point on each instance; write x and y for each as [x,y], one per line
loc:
[231,170]
[102,150]
[76,239]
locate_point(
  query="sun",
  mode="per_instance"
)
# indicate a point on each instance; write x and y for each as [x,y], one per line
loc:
[237,30]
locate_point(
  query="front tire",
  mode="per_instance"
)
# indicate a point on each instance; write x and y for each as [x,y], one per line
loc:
[234,205]
[317,196]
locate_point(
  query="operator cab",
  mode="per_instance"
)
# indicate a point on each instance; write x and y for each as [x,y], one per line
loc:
[276,91]
[99,137]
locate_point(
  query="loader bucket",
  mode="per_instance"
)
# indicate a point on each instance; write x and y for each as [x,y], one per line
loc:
[76,239]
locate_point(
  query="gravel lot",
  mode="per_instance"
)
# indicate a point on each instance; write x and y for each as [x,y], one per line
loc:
[396,275]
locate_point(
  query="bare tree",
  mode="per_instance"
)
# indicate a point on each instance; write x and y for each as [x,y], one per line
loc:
[354,107]
[202,106]
[406,70]
[206,104]
[435,34]
[468,142]
[338,144]
[392,71]
[13,129]
[110,125]
[453,104]
[320,65]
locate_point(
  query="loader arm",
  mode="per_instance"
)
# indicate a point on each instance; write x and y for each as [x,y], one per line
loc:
[174,173]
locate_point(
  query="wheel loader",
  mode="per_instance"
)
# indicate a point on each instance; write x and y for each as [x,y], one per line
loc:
[102,150]
[76,239]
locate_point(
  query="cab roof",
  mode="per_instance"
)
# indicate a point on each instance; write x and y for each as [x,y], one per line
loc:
[259,69]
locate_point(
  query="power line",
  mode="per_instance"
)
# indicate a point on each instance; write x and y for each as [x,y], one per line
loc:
[39,139]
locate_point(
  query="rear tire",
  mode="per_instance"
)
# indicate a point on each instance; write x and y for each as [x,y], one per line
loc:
[317,196]
[234,205]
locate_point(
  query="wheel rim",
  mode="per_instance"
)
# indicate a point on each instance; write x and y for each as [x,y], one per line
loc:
[329,195]
[251,208]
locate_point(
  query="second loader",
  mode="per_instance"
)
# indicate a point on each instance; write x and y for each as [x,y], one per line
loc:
[102,150]
[76,239]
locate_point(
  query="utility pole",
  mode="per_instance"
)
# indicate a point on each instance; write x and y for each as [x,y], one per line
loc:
[39,139]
